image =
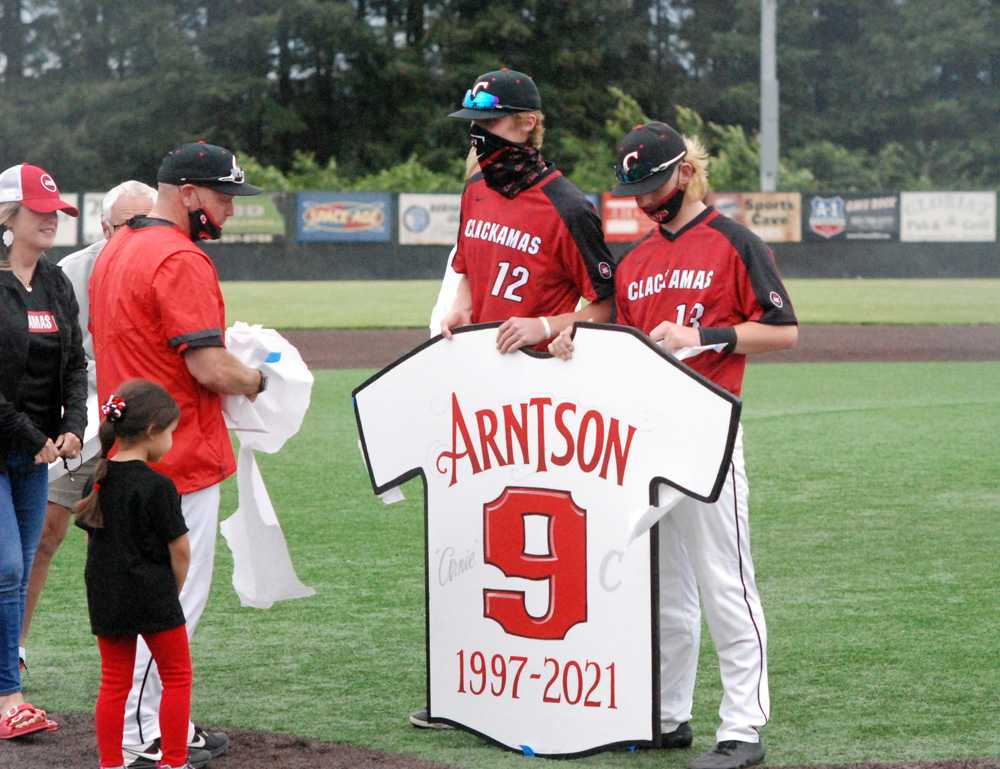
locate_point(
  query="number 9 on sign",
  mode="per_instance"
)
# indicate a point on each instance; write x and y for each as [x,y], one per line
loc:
[564,565]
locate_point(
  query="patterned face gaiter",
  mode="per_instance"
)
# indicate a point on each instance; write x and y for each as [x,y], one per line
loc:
[508,168]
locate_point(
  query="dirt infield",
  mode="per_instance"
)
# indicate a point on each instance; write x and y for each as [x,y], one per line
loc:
[74,747]
[376,348]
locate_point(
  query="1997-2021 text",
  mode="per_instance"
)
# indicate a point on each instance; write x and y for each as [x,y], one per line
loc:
[586,683]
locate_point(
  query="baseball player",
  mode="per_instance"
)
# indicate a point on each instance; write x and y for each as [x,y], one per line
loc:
[157,313]
[702,279]
[530,245]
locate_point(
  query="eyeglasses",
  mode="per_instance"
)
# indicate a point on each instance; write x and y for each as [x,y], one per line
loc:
[638,170]
[482,100]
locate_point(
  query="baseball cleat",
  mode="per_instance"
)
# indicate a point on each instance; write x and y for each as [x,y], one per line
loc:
[679,739]
[730,754]
[216,743]
[150,756]
[421,720]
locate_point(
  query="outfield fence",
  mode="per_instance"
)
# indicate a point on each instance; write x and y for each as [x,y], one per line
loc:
[377,236]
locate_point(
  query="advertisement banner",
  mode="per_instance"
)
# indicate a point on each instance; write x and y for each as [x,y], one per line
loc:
[67,232]
[428,219]
[255,219]
[539,602]
[775,217]
[91,213]
[948,217]
[344,216]
[850,216]
[624,221]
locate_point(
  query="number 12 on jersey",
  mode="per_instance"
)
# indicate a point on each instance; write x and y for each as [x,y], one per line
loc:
[519,276]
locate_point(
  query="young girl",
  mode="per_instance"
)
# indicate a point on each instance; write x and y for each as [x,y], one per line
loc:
[137,559]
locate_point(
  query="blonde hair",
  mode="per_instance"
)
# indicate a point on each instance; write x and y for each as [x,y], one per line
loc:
[537,136]
[697,157]
[471,164]
[7,211]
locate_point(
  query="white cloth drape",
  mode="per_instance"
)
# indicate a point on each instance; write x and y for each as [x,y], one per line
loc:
[262,567]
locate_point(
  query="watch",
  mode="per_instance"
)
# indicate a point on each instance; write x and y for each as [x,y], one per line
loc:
[263,382]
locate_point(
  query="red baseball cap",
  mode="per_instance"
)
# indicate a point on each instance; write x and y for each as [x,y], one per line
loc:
[33,188]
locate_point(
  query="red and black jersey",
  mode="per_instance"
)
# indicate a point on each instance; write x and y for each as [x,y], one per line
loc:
[711,272]
[532,255]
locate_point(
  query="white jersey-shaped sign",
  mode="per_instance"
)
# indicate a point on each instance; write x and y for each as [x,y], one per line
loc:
[540,620]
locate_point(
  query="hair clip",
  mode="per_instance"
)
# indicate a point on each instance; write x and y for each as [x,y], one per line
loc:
[114,408]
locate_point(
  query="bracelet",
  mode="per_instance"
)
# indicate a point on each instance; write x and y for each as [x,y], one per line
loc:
[548,328]
[718,335]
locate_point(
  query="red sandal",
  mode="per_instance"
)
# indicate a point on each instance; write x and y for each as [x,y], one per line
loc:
[24,719]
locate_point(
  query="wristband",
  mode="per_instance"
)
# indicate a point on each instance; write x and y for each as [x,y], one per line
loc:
[718,335]
[548,328]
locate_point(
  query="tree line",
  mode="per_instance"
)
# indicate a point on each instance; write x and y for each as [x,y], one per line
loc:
[875,94]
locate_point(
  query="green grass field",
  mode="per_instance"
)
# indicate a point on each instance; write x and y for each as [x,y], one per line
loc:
[407,303]
[875,508]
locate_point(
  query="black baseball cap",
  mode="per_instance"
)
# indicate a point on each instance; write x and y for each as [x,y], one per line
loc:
[205,165]
[499,93]
[646,157]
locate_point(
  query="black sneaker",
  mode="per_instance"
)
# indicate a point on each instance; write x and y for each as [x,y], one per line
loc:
[149,757]
[730,754]
[422,720]
[679,739]
[216,743]
[187,765]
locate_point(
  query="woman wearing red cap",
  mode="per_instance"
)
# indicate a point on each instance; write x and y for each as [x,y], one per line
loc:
[43,394]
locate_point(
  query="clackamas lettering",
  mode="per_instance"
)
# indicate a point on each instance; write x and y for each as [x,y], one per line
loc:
[494,232]
[668,279]
[505,436]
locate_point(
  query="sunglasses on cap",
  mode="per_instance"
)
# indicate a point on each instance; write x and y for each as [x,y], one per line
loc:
[236,176]
[639,171]
[482,100]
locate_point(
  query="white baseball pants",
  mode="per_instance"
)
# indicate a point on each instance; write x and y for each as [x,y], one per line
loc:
[707,546]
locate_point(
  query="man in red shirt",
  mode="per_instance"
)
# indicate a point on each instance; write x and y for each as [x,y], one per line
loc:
[157,313]
[702,279]
[530,245]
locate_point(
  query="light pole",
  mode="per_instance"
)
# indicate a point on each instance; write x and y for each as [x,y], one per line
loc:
[768,96]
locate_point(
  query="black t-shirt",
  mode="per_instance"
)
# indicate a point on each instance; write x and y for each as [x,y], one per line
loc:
[40,387]
[130,586]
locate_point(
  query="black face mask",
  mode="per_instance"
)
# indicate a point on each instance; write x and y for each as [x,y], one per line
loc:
[507,167]
[202,226]
[666,210]
[486,143]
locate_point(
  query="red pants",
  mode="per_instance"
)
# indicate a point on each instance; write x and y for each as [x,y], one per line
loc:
[173,658]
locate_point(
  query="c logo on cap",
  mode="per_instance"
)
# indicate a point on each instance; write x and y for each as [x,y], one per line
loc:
[48,183]
[630,156]
[482,85]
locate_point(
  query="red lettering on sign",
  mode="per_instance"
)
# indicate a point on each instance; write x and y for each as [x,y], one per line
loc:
[597,440]
[564,566]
